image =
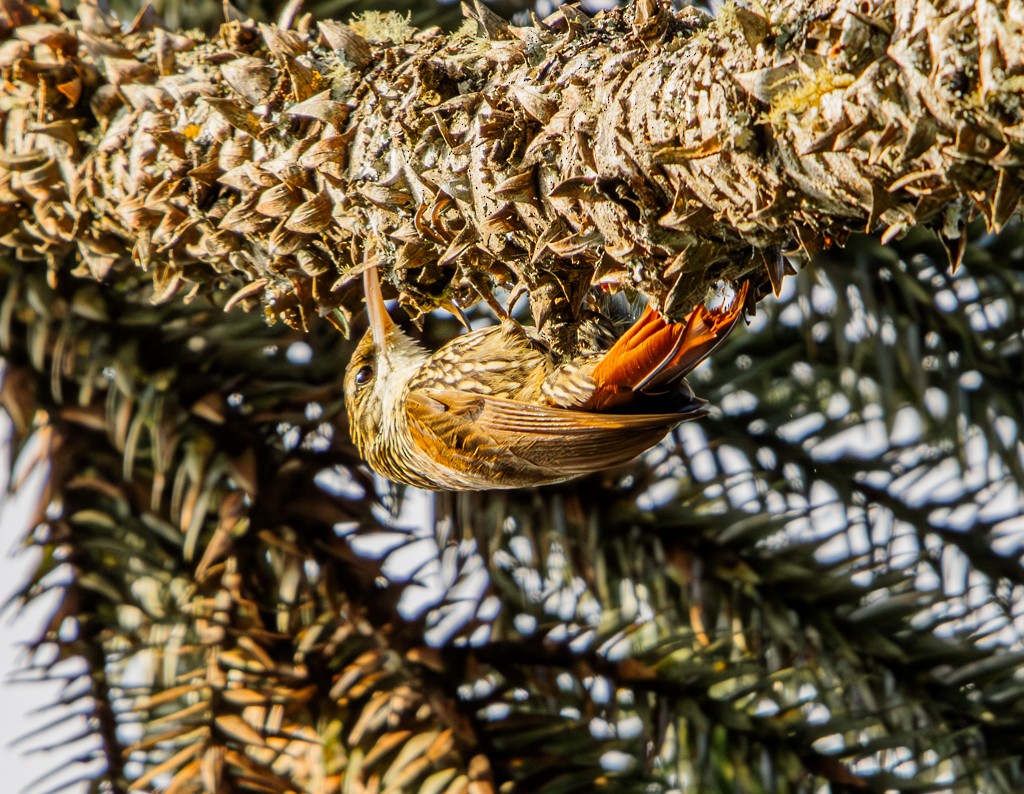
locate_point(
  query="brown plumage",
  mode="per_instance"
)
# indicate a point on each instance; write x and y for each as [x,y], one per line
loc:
[493,409]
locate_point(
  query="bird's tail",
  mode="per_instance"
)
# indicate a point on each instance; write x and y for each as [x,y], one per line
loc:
[654,355]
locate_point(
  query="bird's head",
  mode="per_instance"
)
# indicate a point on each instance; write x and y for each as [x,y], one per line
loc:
[376,377]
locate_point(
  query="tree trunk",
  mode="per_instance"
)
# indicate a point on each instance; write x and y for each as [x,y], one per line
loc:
[642,147]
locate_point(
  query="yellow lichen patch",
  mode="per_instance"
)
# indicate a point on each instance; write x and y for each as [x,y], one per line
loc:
[468,41]
[466,33]
[1013,85]
[340,77]
[383,26]
[808,93]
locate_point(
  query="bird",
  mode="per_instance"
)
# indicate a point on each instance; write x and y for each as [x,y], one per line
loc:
[494,408]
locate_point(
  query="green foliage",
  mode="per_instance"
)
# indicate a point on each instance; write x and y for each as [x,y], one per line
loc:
[819,585]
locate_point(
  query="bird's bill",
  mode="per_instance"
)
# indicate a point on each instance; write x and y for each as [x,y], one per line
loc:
[380,320]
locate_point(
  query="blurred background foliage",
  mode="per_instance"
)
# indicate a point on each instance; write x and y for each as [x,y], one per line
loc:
[816,588]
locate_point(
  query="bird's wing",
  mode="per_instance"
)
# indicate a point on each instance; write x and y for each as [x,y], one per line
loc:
[501,433]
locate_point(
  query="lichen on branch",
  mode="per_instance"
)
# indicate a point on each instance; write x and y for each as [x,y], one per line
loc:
[643,147]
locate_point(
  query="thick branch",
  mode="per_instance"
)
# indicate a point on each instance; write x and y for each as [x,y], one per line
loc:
[647,147]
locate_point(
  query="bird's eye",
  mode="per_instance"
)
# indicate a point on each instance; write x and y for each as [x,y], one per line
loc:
[363,375]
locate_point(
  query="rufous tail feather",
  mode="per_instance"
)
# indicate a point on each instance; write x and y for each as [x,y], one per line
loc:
[653,354]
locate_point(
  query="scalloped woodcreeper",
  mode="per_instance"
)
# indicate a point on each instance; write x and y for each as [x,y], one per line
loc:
[492,409]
